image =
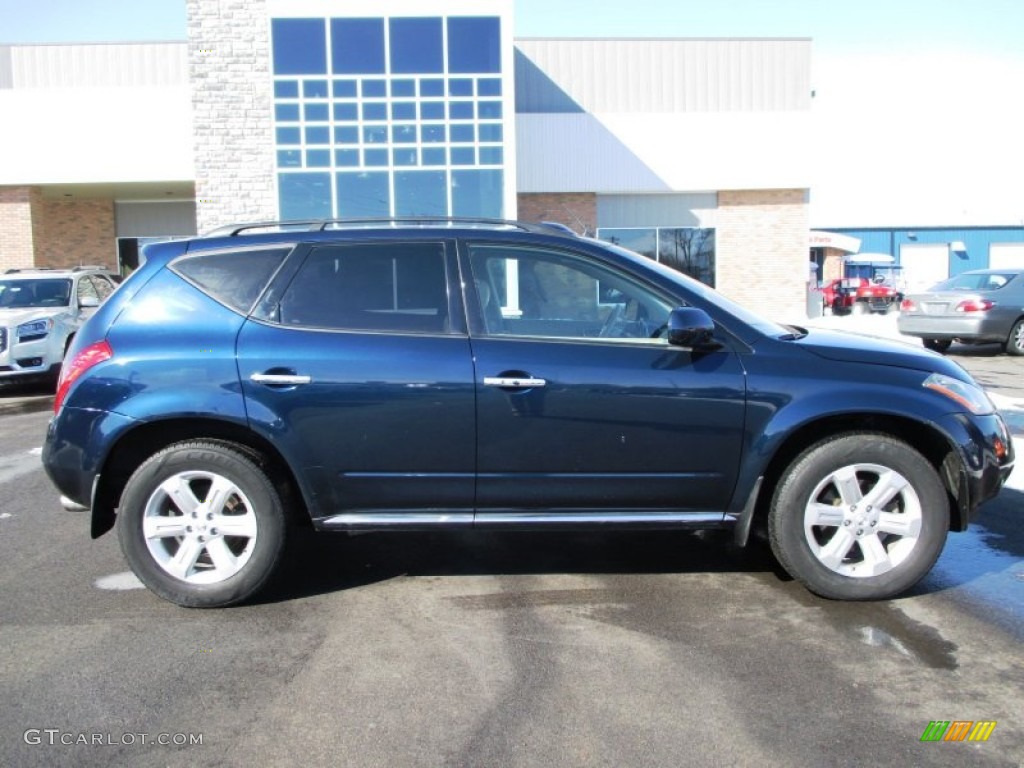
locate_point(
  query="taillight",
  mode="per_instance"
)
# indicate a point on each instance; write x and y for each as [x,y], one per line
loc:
[908,305]
[975,305]
[79,364]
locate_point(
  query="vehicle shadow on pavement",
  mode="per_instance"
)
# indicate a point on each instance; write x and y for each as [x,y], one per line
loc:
[323,563]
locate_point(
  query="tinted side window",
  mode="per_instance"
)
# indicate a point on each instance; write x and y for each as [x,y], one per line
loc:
[387,287]
[236,278]
[103,286]
[532,292]
[86,288]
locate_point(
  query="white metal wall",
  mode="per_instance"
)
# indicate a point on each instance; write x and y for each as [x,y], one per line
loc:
[1006,256]
[667,75]
[683,210]
[157,219]
[94,65]
[924,265]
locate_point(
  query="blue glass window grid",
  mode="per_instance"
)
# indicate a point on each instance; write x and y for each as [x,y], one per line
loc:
[374,89]
[432,110]
[460,110]
[459,86]
[318,158]
[346,134]
[467,96]
[286,89]
[462,134]
[403,110]
[286,113]
[314,89]
[345,89]
[316,113]
[403,88]
[346,111]
[375,111]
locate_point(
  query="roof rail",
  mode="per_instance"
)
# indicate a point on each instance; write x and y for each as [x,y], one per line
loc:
[83,267]
[79,268]
[320,225]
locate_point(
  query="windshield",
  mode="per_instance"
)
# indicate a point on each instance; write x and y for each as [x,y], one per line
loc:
[45,292]
[976,281]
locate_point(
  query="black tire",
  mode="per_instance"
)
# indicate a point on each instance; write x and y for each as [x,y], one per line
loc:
[937,345]
[195,563]
[868,553]
[1015,341]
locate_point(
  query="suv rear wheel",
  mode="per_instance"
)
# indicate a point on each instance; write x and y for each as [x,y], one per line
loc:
[861,516]
[201,524]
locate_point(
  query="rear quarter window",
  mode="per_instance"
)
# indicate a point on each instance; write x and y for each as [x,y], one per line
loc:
[235,278]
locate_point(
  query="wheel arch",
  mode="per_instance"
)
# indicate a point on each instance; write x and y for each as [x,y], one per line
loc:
[141,442]
[929,441]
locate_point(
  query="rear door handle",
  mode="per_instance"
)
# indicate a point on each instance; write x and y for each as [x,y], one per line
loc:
[513,382]
[280,379]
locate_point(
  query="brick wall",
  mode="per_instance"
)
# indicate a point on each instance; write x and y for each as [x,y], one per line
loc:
[229,69]
[577,210]
[17,236]
[73,233]
[762,252]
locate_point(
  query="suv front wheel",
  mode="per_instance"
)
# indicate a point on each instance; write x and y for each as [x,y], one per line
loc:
[861,516]
[201,525]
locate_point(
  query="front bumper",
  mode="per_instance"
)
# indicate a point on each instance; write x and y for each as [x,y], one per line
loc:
[986,455]
[27,358]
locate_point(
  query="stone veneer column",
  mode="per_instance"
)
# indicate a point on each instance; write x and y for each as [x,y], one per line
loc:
[232,102]
[762,252]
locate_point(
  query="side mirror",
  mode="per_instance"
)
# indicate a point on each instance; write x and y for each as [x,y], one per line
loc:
[88,302]
[691,327]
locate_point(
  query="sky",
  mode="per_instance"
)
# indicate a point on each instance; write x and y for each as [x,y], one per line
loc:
[917,105]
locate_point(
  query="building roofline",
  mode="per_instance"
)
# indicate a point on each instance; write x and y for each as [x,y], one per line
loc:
[664,39]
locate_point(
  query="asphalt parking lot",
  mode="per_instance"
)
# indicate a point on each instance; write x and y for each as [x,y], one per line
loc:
[653,649]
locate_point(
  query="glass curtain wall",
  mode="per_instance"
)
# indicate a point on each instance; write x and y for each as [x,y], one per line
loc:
[379,117]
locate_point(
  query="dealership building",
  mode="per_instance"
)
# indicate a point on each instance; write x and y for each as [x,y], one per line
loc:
[692,151]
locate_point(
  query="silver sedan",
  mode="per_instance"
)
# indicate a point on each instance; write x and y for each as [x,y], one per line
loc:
[981,306]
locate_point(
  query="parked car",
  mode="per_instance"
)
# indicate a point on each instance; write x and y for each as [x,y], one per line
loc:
[413,375]
[976,307]
[40,312]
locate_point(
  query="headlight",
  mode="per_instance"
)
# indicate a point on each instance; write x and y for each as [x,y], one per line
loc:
[969,396]
[36,329]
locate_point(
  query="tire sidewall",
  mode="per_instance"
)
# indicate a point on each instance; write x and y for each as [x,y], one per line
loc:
[266,506]
[1015,343]
[786,518]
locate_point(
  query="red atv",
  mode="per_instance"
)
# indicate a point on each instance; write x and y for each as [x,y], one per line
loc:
[869,286]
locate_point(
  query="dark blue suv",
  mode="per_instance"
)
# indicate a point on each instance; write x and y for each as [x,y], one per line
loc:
[411,375]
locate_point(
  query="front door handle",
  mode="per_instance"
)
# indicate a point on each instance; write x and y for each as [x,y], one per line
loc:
[513,382]
[280,379]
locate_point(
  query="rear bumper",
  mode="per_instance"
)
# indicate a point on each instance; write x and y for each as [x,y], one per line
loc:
[74,449]
[967,327]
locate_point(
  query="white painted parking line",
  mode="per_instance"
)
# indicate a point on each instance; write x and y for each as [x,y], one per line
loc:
[119,582]
[18,464]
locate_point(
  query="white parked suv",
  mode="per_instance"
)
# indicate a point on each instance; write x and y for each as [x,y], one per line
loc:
[40,312]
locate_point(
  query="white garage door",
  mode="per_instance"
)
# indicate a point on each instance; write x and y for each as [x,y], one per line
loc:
[1006,256]
[924,265]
